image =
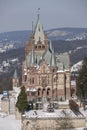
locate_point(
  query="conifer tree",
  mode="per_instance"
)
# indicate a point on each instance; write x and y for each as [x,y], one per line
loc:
[82,80]
[22,103]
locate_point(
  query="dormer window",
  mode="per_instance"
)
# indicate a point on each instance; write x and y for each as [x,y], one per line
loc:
[39,29]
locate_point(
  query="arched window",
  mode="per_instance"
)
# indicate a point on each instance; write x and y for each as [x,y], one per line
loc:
[43,47]
[39,90]
[48,91]
[43,91]
[27,123]
[39,80]
[35,47]
[25,77]
[39,47]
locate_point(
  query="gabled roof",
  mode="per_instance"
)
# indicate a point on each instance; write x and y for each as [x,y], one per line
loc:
[47,56]
[64,59]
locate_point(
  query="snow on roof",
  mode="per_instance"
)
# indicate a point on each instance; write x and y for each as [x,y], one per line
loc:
[31,89]
[84,112]
[76,66]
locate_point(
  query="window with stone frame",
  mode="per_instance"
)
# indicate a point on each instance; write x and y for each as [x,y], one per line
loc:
[48,79]
[39,90]
[48,91]
[43,47]
[39,47]
[35,47]
[39,80]
[25,77]
[32,80]
[44,81]
[43,69]
[39,29]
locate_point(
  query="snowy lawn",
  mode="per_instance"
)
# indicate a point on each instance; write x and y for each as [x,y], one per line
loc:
[9,123]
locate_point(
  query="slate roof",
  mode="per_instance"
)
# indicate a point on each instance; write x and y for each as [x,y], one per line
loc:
[60,60]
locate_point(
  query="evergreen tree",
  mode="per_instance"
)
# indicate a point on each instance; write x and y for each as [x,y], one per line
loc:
[22,103]
[82,80]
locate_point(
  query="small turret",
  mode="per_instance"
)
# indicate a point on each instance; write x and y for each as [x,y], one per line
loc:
[53,60]
[50,46]
[32,58]
[15,80]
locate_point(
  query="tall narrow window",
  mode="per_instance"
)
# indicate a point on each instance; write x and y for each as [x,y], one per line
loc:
[39,80]
[25,78]
[48,91]
[48,79]
[30,80]
[33,80]
[43,69]
[39,90]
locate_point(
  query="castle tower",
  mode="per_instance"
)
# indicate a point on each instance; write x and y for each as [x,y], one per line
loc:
[38,40]
[45,73]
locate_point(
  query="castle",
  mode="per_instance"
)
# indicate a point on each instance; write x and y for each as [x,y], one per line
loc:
[45,73]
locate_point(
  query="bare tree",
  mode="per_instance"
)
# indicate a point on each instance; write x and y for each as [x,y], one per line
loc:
[65,122]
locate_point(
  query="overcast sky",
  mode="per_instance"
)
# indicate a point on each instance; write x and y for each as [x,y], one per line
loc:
[19,14]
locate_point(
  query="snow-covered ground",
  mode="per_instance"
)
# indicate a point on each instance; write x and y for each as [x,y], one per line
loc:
[9,123]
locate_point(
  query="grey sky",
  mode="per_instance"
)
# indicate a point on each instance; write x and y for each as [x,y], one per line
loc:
[19,14]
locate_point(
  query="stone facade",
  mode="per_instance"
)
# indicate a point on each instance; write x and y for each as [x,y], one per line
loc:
[45,73]
[51,123]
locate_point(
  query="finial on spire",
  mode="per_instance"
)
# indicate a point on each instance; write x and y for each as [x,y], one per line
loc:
[32,26]
[38,13]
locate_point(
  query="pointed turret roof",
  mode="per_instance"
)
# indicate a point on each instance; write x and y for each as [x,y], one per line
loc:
[39,33]
[32,57]
[15,74]
[50,46]
[53,60]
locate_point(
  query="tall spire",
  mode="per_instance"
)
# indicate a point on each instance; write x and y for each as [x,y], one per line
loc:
[38,15]
[53,60]
[50,46]
[32,57]
[32,26]
[39,33]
